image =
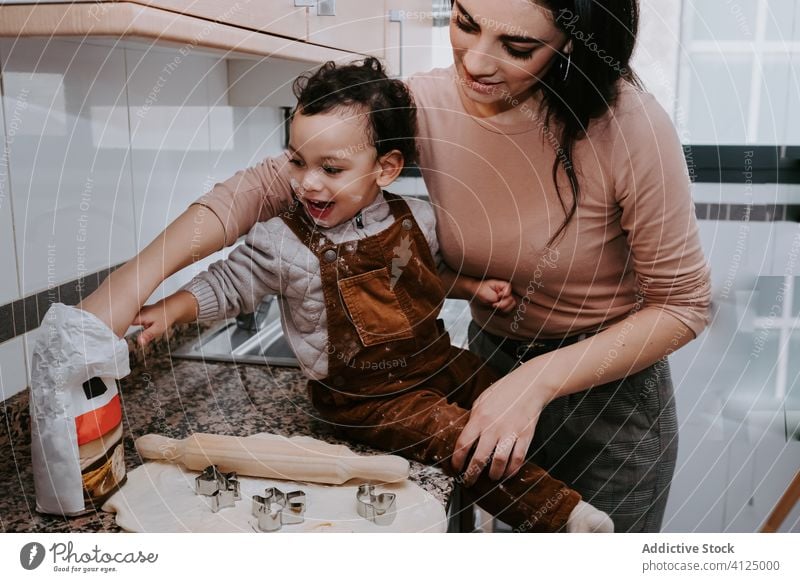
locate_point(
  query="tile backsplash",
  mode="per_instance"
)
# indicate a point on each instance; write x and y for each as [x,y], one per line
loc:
[748,212]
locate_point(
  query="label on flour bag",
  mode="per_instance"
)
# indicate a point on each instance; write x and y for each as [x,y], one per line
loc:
[98,412]
[98,426]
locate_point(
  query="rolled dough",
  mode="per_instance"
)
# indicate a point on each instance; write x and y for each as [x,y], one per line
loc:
[159,497]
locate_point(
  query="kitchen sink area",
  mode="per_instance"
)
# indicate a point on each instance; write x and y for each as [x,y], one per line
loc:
[253,338]
[257,338]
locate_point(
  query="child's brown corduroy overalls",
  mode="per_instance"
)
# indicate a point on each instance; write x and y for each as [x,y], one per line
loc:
[394,381]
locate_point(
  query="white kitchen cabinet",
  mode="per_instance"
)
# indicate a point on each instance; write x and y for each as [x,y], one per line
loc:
[69,167]
[280,17]
[242,137]
[145,23]
[169,135]
[404,41]
[189,137]
[269,81]
[266,82]
[170,139]
[409,41]
[357,26]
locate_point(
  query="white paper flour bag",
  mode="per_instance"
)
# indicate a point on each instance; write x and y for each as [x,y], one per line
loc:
[76,416]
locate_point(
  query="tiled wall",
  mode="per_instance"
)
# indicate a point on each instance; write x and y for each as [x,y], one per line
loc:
[12,373]
[105,145]
[748,212]
[9,285]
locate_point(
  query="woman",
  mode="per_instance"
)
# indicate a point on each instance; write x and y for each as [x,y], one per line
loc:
[549,168]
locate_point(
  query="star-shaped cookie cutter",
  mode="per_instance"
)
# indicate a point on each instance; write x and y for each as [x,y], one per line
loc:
[276,508]
[221,488]
[380,509]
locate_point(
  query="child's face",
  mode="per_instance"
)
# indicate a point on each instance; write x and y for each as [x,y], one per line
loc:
[335,169]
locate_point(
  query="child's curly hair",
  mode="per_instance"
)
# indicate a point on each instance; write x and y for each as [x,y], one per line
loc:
[392,113]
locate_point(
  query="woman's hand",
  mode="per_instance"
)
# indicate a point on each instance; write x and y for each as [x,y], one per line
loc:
[501,426]
[496,294]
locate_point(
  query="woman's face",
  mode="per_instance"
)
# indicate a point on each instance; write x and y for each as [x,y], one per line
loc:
[501,49]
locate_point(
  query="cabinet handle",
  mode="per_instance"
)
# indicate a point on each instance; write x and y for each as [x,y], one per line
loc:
[396,15]
[326,8]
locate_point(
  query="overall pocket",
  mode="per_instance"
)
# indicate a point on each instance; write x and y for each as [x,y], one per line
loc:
[374,309]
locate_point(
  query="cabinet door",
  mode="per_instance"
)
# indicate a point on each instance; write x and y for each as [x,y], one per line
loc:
[279,17]
[409,42]
[357,26]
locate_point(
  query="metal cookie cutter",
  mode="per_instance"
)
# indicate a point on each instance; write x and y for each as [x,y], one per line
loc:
[379,509]
[277,508]
[222,488]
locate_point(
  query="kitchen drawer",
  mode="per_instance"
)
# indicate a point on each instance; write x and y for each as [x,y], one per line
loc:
[279,17]
[357,26]
[152,24]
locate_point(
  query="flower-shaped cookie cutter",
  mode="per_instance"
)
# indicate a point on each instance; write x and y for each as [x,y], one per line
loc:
[276,508]
[380,509]
[221,488]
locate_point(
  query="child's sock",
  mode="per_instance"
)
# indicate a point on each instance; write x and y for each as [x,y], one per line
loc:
[586,518]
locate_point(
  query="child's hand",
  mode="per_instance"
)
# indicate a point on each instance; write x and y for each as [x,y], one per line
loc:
[496,294]
[180,307]
[156,320]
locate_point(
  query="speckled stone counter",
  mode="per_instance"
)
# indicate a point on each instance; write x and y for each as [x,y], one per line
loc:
[176,398]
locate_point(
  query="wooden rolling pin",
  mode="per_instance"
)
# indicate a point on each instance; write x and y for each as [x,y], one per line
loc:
[274,457]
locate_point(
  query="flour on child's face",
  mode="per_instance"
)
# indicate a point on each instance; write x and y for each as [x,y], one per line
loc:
[334,167]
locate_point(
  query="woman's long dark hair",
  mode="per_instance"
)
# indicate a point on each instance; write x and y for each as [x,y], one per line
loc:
[603,34]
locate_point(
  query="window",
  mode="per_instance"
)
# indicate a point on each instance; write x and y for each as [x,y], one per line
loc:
[739,80]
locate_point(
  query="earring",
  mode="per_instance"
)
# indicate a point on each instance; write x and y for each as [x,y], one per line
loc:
[566,69]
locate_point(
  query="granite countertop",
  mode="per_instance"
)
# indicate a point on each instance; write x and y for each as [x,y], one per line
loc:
[175,398]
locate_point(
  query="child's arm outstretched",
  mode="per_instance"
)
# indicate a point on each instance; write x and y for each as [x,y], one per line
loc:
[235,285]
[492,293]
